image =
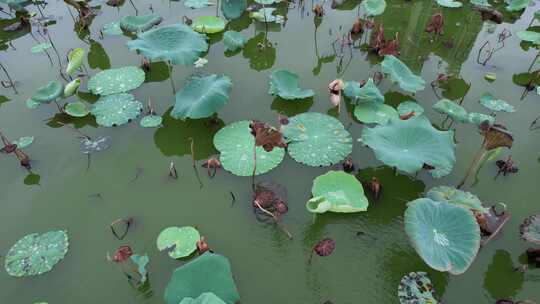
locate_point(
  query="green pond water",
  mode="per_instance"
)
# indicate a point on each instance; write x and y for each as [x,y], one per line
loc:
[130,178]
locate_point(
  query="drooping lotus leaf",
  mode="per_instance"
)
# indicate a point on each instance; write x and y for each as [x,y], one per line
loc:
[75,60]
[179,242]
[23,142]
[284,83]
[139,23]
[202,96]
[197,3]
[40,48]
[457,197]
[266,14]
[115,81]
[48,93]
[233,9]
[449,3]
[112,29]
[151,121]
[337,191]
[374,112]
[177,43]
[204,298]
[367,93]
[208,273]
[517,5]
[76,109]
[494,104]
[408,107]
[72,87]
[479,118]
[116,110]
[208,24]
[233,40]
[409,144]
[530,229]
[400,73]
[141,261]
[235,144]
[317,139]
[374,7]
[35,254]
[97,144]
[416,288]
[452,109]
[529,36]
[446,237]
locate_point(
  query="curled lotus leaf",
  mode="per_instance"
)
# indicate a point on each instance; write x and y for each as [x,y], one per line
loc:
[457,197]
[179,242]
[35,254]
[235,144]
[410,144]
[72,87]
[151,121]
[517,5]
[233,40]
[76,109]
[408,107]
[208,24]
[367,93]
[100,143]
[449,3]
[446,237]
[116,110]
[233,9]
[284,83]
[530,229]
[115,81]
[75,60]
[337,191]
[204,298]
[400,73]
[478,118]
[23,142]
[373,112]
[48,93]
[197,3]
[317,139]
[374,7]
[416,288]
[112,29]
[139,23]
[266,14]
[177,43]
[494,104]
[452,109]
[40,48]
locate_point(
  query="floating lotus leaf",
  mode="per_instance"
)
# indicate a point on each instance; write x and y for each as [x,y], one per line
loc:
[400,73]
[178,242]
[72,87]
[452,109]
[517,5]
[208,24]
[457,197]
[204,298]
[449,3]
[416,288]
[141,261]
[233,40]
[32,104]
[317,139]
[177,43]
[267,2]
[233,9]
[529,36]
[115,81]
[76,109]
[112,29]
[478,118]
[116,110]
[202,96]
[337,191]
[494,104]
[374,7]
[367,93]
[373,112]
[408,107]
[481,3]
[48,93]
[409,144]
[139,23]
[75,60]
[197,3]
[235,143]
[530,229]
[446,237]
[97,144]
[285,84]
[36,254]
[208,273]
[266,14]
[23,142]
[40,48]
[151,121]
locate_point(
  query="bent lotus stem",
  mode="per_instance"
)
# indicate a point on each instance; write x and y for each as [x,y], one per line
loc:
[480,154]
[172,171]
[289,235]
[11,83]
[194,162]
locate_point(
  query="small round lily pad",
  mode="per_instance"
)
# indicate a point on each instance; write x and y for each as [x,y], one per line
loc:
[151,121]
[178,241]
[208,24]
[76,109]
[115,110]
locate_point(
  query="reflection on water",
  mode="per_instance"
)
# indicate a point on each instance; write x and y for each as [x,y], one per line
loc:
[501,280]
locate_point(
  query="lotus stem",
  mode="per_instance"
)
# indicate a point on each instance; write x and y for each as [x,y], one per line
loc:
[171,77]
[12,84]
[254,166]
[534,61]
[480,154]
[172,171]
[194,162]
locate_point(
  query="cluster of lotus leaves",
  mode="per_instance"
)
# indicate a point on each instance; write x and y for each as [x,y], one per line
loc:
[494,104]
[115,110]
[409,144]
[530,229]
[177,44]
[284,84]
[233,40]
[400,73]
[208,24]
[416,288]
[452,109]
[202,96]
[114,81]
[316,139]
[367,93]
[139,23]
[35,254]
[457,197]
[208,273]
[48,93]
[179,242]
[235,144]
[337,191]
[446,236]
[374,7]
[233,9]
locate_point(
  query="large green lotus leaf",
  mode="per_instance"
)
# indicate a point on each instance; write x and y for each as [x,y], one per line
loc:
[40,48]
[452,109]
[457,197]
[367,93]
[112,29]
[416,288]
[179,242]
[409,144]
[317,139]
[478,118]
[75,59]
[407,107]
[208,24]
[284,83]
[517,5]
[446,237]
[151,121]
[208,273]
[494,104]
[374,112]
[116,81]
[449,3]
[529,36]
[400,73]
[76,109]
[233,9]
[204,298]
[374,7]
[202,96]
[233,40]
[235,144]
[36,254]
[116,110]
[48,93]
[139,23]
[266,14]
[177,43]
[197,3]
[337,191]
[530,229]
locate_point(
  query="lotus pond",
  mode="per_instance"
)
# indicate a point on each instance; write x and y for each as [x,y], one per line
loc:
[269,151]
